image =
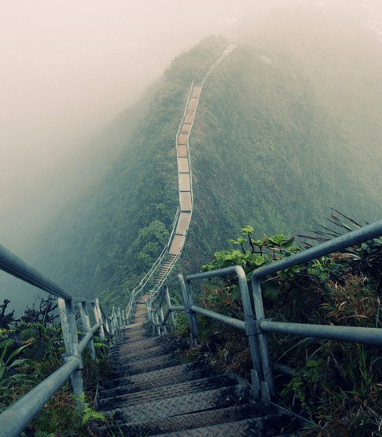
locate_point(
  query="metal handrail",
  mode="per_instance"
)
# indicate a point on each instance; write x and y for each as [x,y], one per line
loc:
[16,417]
[256,328]
[352,334]
[220,55]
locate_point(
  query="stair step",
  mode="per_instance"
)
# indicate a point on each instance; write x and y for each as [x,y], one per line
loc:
[192,420]
[156,379]
[264,426]
[148,365]
[145,354]
[166,392]
[186,404]
[137,345]
[197,365]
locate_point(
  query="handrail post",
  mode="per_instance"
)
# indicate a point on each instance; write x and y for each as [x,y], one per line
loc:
[115,324]
[263,340]
[99,319]
[86,324]
[119,318]
[69,331]
[172,320]
[157,324]
[164,329]
[256,374]
[152,317]
[107,325]
[188,302]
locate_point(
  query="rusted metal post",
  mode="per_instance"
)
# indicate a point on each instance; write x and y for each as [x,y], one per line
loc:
[69,330]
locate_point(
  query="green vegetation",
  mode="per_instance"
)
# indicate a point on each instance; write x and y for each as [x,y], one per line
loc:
[273,145]
[29,353]
[336,385]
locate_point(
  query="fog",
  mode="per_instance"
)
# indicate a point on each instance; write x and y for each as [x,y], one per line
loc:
[67,68]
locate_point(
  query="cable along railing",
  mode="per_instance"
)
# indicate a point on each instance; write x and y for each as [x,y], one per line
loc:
[256,325]
[16,417]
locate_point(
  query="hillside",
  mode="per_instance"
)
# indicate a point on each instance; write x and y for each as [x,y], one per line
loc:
[273,146]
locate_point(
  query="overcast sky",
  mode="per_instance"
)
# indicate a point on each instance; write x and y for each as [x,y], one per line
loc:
[67,67]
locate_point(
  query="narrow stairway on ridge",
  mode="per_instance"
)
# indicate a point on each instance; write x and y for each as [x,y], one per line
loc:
[152,393]
[172,251]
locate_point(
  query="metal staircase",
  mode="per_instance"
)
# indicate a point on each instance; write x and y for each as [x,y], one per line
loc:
[166,261]
[153,393]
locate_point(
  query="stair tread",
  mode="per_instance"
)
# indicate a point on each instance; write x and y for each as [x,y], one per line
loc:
[167,392]
[155,363]
[188,403]
[259,427]
[193,420]
[155,374]
[156,379]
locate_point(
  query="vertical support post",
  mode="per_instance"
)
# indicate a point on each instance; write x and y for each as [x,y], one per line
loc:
[115,324]
[188,302]
[164,329]
[152,317]
[98,317]
[263,340]
[172,320]
[119,318]
[107,326]
[157,323]
[86,325]
[112,326]
[69,329]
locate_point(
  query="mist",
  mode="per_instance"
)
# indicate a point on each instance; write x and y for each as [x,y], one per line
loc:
[68,68]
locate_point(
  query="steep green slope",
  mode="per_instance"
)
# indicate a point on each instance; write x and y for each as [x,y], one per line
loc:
[109,237]
[268,150]
[272,146]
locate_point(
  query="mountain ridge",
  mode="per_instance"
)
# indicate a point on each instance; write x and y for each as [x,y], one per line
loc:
[265,150]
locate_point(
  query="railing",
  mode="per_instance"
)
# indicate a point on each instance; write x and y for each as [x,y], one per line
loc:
[222,53]
[16,417]
[257,326]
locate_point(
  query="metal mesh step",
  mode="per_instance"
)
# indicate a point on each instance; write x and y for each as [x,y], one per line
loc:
[150,364]
[137,345]
[258,427]
[186,404]
[155,374]
[166,392]
[194,420]
[145,355]
[156,379]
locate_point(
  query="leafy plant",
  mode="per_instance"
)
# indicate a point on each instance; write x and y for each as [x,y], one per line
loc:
[7,366]
[87,414]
